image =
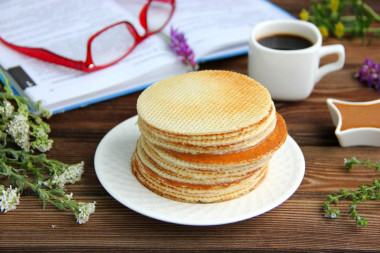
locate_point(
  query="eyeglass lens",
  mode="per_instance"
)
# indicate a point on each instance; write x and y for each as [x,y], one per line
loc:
[111,45]
[115,42]
[157,15]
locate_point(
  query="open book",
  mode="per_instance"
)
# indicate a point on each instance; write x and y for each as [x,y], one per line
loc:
[213,28]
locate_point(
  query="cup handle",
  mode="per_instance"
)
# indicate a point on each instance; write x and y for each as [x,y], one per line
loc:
[338,64]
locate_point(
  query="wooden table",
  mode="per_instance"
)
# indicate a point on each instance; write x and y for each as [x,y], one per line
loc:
[296,225]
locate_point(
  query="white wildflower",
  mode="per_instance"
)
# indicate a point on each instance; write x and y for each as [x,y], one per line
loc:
[70,196]
[7,109]
[332,215]
[71,175]
[9,199]
[46,114]
[43,144]
[39,132]
[18,128]
[42,141]
[85,209]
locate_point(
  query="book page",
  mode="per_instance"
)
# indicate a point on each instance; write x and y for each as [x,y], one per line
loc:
[64,27]
[213,29]
[217,28]
[213,26]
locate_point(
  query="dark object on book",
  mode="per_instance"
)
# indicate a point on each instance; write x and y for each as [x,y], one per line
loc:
[21,77]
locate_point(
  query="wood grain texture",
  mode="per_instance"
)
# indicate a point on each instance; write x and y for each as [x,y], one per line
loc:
[296,225]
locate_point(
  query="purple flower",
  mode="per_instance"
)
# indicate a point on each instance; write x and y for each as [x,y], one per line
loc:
[369,74]
[180,47]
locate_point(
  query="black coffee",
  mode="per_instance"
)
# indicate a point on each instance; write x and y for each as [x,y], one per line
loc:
[285,42]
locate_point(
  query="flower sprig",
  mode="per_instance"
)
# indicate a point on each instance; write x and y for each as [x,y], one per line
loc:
[364,193]
[179,45]
[369,74]
[352,162]
[339,18]
[23,141]
[9,199]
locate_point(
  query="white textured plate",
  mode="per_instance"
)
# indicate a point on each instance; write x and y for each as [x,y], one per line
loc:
[113,168]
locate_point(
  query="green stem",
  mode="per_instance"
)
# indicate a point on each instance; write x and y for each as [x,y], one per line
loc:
[373,29]
[348,18]
[367,30]
[371,12]
[8,94]
[33,163]
[56,197]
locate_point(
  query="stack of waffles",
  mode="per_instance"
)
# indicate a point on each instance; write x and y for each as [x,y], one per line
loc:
[206,136]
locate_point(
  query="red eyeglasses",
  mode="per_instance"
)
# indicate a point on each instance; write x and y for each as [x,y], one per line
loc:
[122,36]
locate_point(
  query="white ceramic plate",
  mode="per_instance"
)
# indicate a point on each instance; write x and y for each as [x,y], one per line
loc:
[113,168]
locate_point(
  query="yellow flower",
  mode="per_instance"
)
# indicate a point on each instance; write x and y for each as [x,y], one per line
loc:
[339,30]
[324,31]
[304,15]
[334,4]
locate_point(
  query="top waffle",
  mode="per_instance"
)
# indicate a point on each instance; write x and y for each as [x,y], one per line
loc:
[204,103]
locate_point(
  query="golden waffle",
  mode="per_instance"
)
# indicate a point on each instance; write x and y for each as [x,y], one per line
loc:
[273,142]
[204,103]
[194,193]
[244,140]
[213,139]
[223,174]
[206,136]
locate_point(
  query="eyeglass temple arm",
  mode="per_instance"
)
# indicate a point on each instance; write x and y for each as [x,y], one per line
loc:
[45,55]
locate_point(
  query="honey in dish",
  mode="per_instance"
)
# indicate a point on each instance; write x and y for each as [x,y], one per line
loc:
[359,115]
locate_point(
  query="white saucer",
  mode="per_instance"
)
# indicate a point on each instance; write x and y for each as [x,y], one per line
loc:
[113,168]
[359,136]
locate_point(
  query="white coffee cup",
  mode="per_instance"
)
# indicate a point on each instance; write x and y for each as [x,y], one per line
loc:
[290,75]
